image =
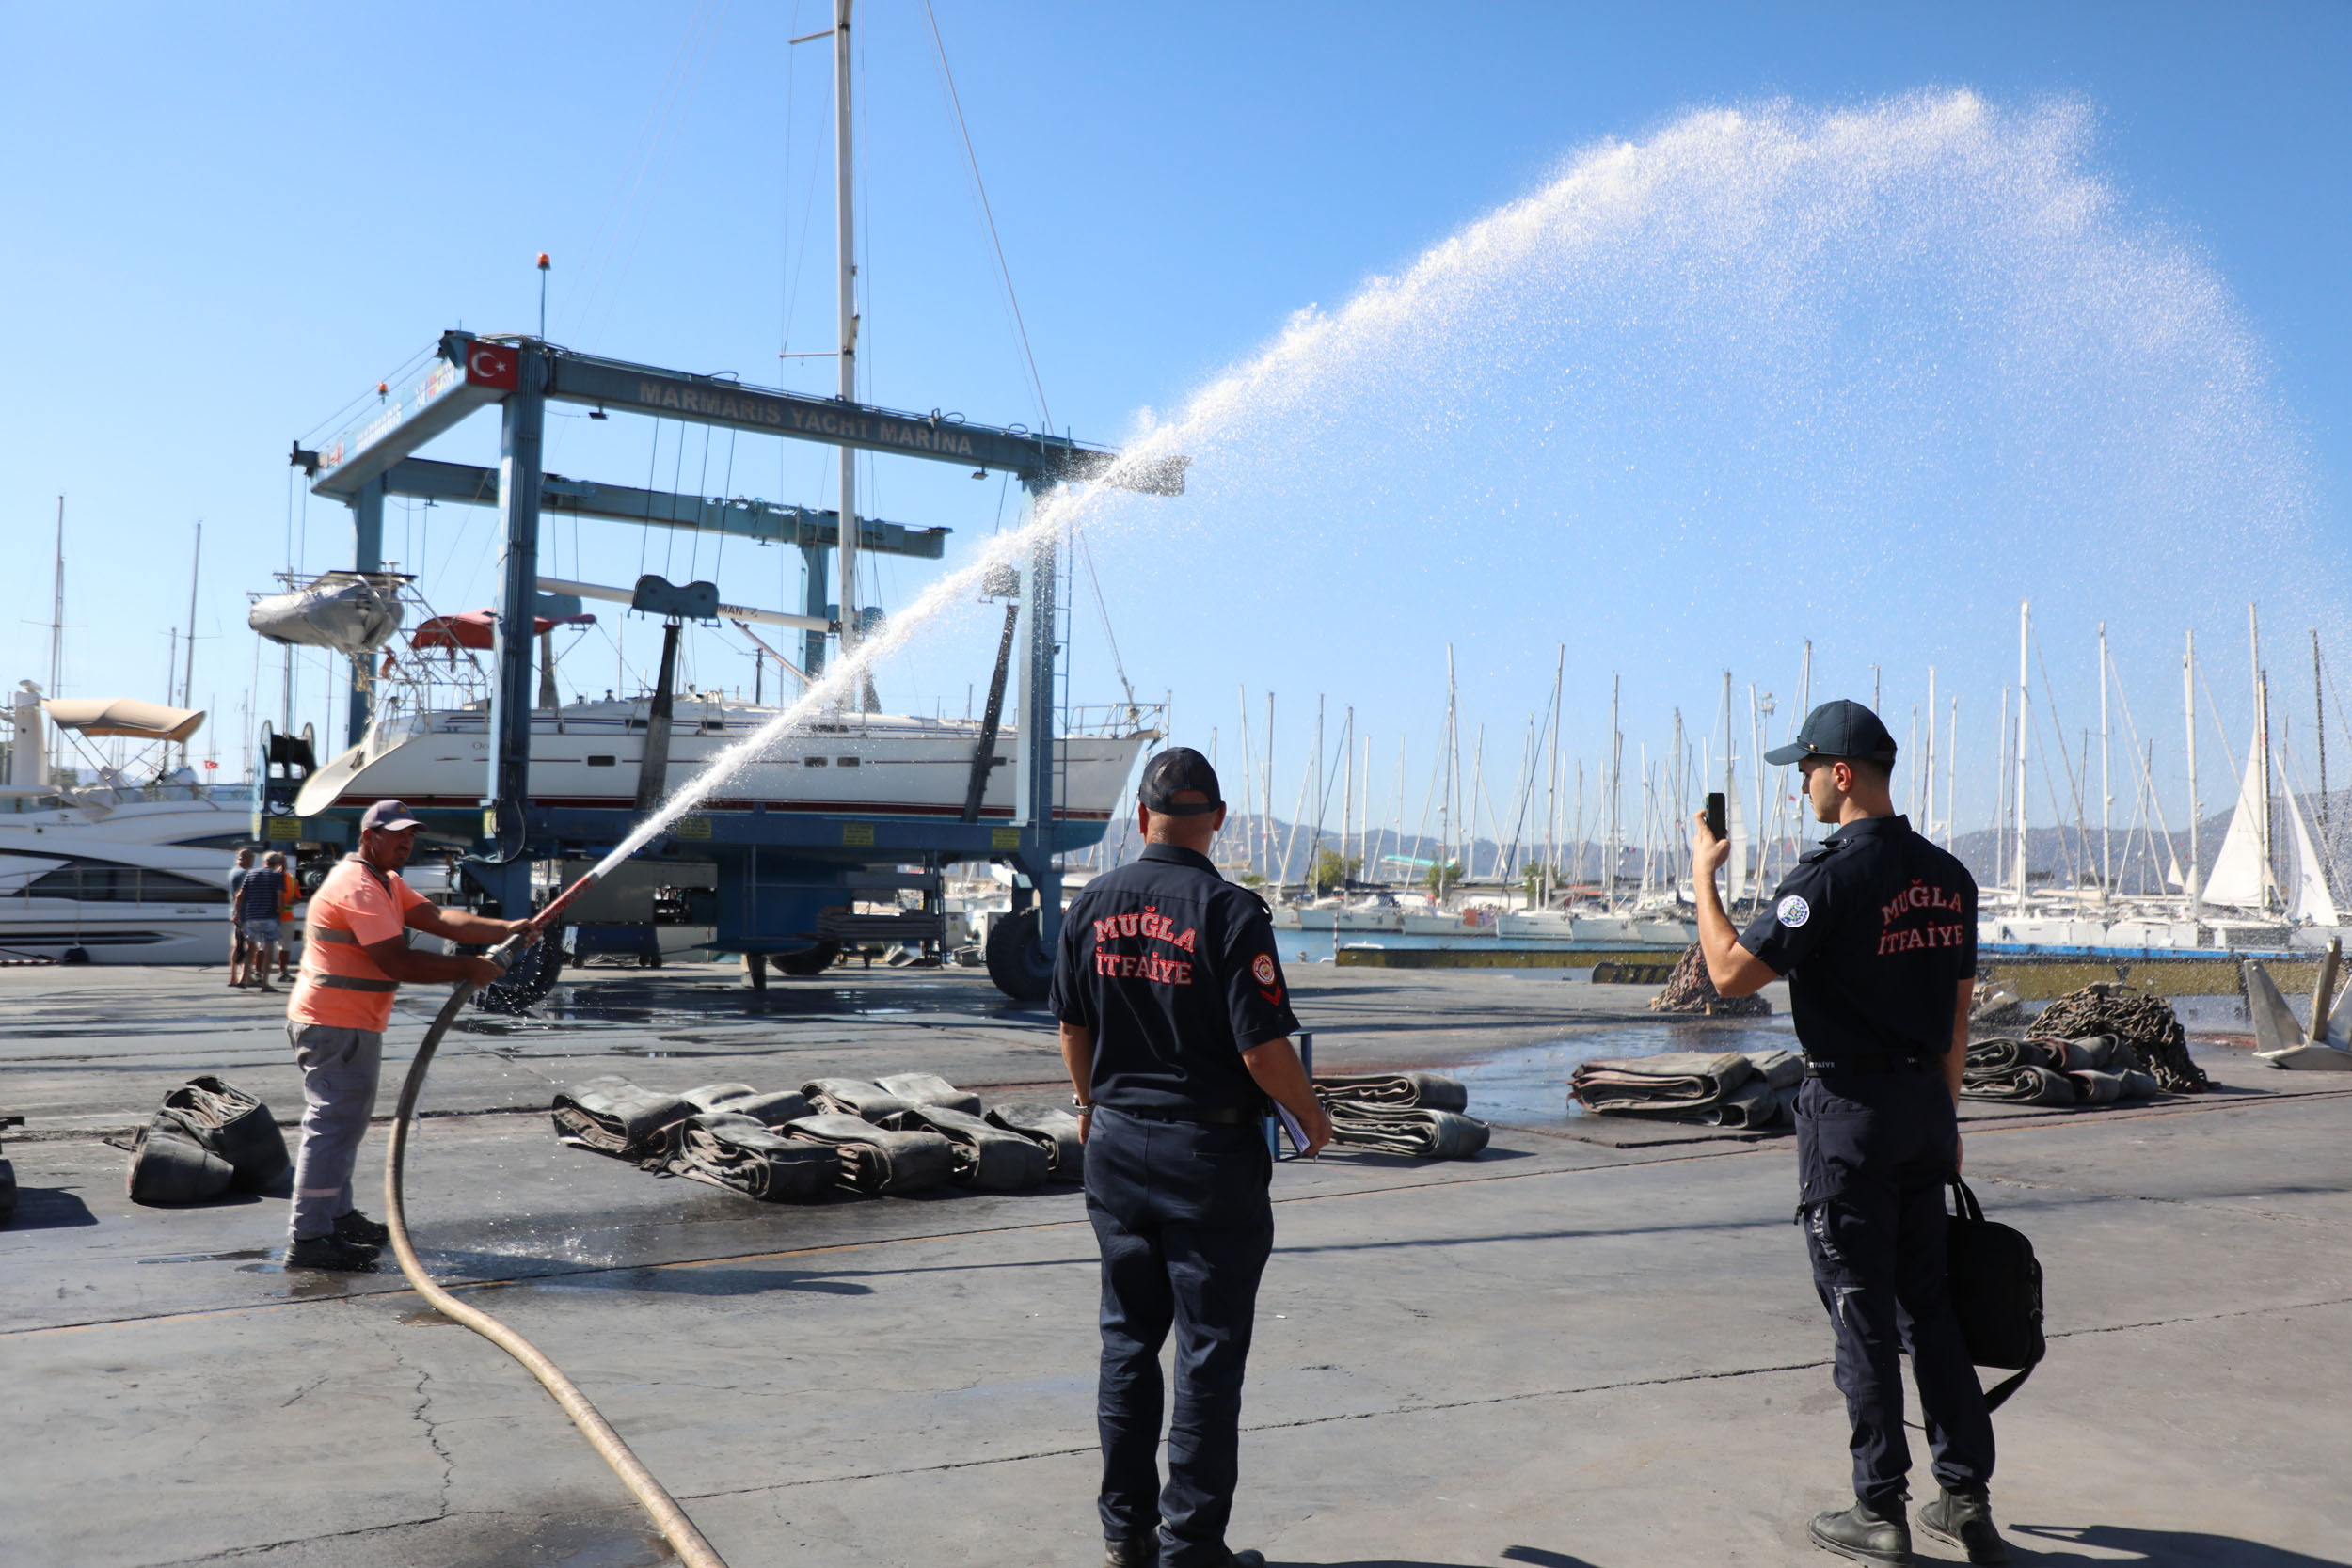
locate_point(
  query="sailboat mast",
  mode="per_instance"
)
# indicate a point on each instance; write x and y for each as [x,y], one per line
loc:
[1551,798]
[1616,774]
[2195,808]
[2319,729]
[1951,776]
[1927,767]
[1265,799]
[2025,631]
[1346,795]
[2262,746]
[2001,787]
[846,311]
[187,660]
[2107,788]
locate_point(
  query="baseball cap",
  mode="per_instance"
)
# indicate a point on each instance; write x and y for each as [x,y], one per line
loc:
[1843,728]
[1174,771]
[387,816]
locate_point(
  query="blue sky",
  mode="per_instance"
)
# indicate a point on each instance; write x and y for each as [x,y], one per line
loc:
[221,226]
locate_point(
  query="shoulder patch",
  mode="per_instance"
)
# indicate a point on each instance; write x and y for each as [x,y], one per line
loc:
[1793,912]
[1261,968]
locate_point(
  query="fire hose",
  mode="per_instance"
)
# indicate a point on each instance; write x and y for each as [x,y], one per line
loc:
[675,1528]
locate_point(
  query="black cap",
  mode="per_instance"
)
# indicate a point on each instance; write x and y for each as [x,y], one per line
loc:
[1840,729]
[1172,772]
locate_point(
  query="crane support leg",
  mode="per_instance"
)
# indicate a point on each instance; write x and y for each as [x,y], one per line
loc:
[1034,807]
[522,468]
[367,555]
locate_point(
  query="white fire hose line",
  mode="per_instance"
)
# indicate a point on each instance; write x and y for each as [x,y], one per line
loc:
[675,1528]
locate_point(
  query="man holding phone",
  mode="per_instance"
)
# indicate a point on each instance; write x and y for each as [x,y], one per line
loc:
[1876,930]
[1176,1028]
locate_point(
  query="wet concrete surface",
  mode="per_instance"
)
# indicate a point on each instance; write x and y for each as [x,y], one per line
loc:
[1564,1353]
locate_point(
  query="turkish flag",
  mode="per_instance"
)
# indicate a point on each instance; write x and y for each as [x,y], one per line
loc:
[492,364]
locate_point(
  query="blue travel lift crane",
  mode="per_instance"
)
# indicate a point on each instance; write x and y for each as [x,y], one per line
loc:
[784,880]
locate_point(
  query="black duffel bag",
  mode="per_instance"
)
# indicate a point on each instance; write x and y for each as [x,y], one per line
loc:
[1994,1282]
[236,1126]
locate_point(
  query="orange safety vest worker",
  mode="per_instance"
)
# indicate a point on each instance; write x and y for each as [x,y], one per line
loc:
[341,985]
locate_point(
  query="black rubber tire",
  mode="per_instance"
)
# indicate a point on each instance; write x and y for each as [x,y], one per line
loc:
[533,975]
[809,961]
[1017,959]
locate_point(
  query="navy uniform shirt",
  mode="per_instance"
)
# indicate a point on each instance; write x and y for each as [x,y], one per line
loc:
[1172,967]
[1875,928]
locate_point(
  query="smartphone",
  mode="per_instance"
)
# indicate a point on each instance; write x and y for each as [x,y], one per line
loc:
[1715,815]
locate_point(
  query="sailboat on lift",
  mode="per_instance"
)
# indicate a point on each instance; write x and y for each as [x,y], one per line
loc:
[433,754]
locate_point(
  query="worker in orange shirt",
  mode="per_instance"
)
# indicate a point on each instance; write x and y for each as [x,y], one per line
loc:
[355,954]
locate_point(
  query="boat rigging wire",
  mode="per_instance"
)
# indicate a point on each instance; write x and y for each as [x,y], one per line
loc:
[650,152]
[988,216]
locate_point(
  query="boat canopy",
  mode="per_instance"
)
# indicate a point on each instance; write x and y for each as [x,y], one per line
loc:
[476,628]
[123,716]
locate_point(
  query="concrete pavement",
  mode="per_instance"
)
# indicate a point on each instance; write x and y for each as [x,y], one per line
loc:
[1564,1353]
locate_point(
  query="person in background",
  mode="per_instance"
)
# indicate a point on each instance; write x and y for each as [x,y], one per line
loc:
[236,932]
[289,931]
[261,899]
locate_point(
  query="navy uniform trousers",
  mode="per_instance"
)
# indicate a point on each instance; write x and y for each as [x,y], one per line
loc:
[1873,1155]
[1181,1215]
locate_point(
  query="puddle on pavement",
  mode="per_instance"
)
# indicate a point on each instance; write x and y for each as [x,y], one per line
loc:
[244,1254]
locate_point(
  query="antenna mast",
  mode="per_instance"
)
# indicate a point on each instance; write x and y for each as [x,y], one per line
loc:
[844,237]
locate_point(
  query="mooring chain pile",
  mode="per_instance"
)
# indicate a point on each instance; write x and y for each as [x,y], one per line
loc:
[2145,1023]
[1691,989]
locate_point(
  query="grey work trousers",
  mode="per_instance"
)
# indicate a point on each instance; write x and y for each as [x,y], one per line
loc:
[339,1072]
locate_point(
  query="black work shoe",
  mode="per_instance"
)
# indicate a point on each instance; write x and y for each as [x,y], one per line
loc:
[1131,1551]
[1965,1520]
[331,1252]
[1865,1534]
[356,1226]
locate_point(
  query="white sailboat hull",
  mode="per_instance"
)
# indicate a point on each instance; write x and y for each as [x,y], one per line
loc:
[589,756]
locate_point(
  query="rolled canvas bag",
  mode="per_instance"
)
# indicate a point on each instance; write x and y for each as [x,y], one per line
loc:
[987,1157]
[1051,1127]
[736,1152]
[929,1088]
[612,1116]
[853,1097]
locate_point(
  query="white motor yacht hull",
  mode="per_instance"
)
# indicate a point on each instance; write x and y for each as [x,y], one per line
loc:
[119,903]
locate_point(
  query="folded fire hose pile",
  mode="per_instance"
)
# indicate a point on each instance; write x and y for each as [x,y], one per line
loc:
[206,1137]
[1691,989]
[2093,1070]
[1416,1113]
[2146,1025]
[907,1134]
[2096,1046]
[1728,1088]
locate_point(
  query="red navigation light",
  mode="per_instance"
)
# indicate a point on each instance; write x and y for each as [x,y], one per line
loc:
[381,389]
[543,260]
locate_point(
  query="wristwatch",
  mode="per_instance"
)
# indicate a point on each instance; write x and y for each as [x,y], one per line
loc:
[1079,1107]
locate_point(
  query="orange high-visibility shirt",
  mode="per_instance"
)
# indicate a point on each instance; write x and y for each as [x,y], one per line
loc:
[342,986]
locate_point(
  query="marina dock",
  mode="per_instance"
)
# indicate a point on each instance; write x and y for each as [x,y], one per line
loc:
[1594,1347]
